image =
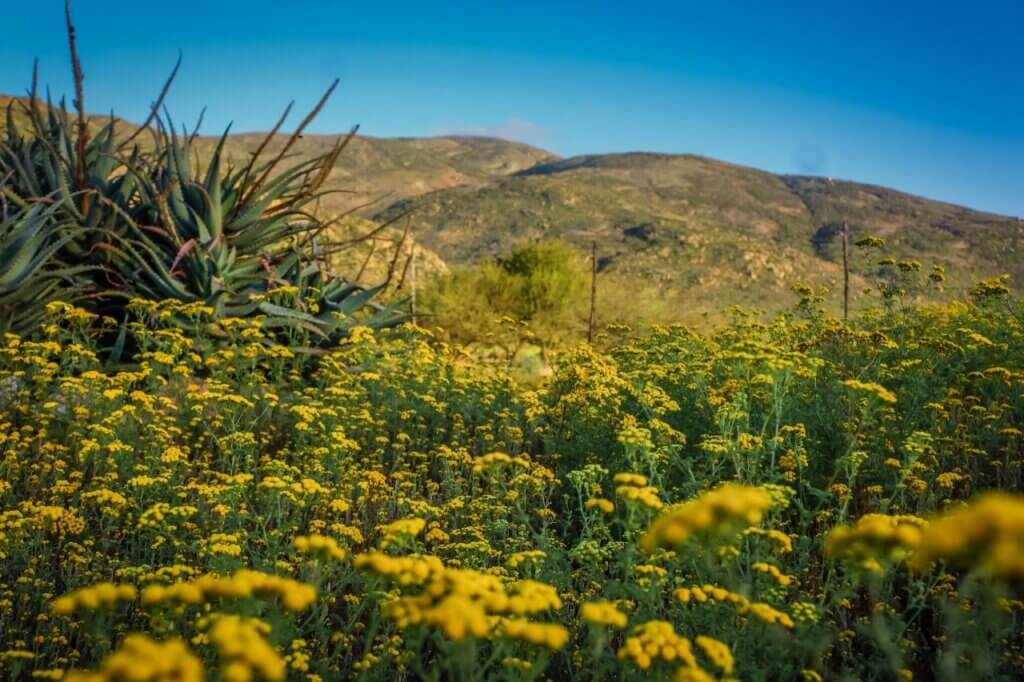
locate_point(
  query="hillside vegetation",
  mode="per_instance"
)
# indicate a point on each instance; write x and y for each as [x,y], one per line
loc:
[770,502]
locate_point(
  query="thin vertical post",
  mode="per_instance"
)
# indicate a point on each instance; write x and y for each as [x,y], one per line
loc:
[846,274]
[413,301]
[593,291]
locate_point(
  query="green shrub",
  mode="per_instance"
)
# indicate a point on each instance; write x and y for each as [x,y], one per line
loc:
[546,278]
[543,283]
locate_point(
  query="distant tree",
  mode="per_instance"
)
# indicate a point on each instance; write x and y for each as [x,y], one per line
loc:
[548,277]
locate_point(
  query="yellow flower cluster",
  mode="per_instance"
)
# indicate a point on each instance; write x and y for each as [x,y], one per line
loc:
[728,508]
[105,498]
[763,612]
[877,390]
[16,654]
[601,504]
[874,539]
[404,570]
[294,595]
[99,596]
[626,478]
[528,556]
[633,488]
[497,460]
[59,519]
[241,643]
[458,612]
[633,436]
[717,651]
[401,530]
[688,674]
[550,635]
[657,640]
[603,613]
[649,573]
[784,542]
[770,615]
[987,533]
[462,602]
[140,659]
[319,546]
[160,512]
[529,596]
[773,571]
[224,544]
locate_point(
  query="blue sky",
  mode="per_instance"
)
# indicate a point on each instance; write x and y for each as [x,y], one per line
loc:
[927,97]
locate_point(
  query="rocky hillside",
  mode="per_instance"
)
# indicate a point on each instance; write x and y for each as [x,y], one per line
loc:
[710,233]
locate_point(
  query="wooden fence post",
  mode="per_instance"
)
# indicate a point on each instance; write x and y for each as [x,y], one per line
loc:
[413,301]
[846,274]
[593,290]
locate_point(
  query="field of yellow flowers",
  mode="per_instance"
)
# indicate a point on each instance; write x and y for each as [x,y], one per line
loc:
[804,499]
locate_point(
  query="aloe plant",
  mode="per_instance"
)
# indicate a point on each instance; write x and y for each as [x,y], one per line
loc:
[30,275]
[45,161]
[156,221]
[226,235]
[209,235]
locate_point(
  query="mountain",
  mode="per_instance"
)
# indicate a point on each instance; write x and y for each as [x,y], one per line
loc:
[700,233]
[710,233]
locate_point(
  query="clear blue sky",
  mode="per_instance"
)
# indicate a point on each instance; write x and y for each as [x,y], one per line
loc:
[923,96]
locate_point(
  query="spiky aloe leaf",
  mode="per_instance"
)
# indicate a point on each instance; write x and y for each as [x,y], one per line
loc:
[31,276]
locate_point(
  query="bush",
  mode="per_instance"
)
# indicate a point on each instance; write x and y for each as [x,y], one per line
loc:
[545,278]
[543,283]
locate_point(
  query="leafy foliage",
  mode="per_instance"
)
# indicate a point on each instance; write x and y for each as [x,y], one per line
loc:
[157,221]
[543,283]
[31,276]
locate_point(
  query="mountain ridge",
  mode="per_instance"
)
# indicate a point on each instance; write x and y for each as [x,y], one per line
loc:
[710,231]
